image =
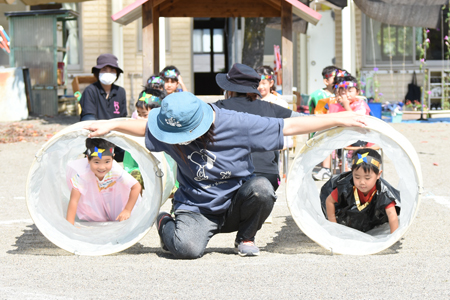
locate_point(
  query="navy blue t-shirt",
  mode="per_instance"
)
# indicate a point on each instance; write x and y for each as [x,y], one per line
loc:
[209,177]
[264,162]
[94,102]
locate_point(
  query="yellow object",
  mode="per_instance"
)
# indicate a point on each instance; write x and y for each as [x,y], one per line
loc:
[323,105]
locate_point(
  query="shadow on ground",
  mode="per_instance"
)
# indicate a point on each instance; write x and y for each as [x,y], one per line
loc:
[291,240]
[33,242]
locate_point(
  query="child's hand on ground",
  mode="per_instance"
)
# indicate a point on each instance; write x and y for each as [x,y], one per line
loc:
[124,215]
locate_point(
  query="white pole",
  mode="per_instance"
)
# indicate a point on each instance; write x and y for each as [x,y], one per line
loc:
[117,38]
[162,42]
[303,65]
[349,38]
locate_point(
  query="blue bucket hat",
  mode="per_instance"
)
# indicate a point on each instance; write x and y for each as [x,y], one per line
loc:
[182,117]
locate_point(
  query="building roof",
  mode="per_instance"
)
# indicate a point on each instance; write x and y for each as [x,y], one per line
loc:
[216,9]
[412,13]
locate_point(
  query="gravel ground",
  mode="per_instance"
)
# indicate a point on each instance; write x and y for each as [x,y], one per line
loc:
[290,264]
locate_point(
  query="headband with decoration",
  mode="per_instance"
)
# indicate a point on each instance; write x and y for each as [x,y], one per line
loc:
[341,73]
[326,76]
[170,74]
[268,77]
[345,84]
[100,152]
[366,159]
[145,97]
[156,80]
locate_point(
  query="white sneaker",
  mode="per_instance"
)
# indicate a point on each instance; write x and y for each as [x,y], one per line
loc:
[323,174]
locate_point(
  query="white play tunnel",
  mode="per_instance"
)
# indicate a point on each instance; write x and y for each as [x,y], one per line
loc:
[303,195]
[48,195]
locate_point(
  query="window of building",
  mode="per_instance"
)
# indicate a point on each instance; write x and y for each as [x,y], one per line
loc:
[380,41]
[69,31]
[208,42]
[73,46]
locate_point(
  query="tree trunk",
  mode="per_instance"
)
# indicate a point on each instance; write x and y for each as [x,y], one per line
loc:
[254,35]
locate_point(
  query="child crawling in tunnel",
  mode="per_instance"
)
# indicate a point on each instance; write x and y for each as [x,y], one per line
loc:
[101,190]
[360,198]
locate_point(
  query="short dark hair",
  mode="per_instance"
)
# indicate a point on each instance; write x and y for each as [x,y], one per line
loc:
[99,143]
[267,70]
[170,68]
[96,73]
[329,70]
[366,166]
[150,104]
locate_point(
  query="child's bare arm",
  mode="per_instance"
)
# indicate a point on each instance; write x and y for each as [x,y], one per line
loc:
[73,204]
[393,218]
[181,83]
[331,211]
[134,194]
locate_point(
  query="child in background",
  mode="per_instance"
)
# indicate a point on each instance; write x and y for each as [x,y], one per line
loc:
[101,190]
[360,198]
[148,99]
[155,82]
[348,99]
[172,78]
[267,87]
[328,74]
[347,94]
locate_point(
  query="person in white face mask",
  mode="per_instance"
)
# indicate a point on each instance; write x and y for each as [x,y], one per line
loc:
[103,100]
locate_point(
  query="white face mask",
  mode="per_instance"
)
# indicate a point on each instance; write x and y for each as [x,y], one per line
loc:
[107,78]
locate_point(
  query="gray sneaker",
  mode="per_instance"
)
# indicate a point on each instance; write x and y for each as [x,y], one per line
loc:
[246,248]
[323,174]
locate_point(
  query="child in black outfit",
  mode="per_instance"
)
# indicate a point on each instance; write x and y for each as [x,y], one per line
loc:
[360,198]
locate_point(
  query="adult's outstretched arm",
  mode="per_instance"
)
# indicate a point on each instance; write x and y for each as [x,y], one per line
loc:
[302,125]
[128,126]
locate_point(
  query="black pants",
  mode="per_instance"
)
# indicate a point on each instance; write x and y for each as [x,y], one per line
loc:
[188,235]
[273,178]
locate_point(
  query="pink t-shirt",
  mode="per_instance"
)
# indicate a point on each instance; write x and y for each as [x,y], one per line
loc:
[100,201]
[356,106]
